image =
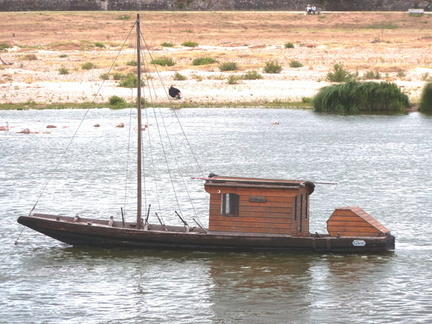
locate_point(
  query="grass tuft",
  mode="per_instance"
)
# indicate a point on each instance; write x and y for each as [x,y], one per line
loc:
[228,66]
[272,67]
[163,61]
[340,74]
[203,60]
[426,99]
[353,97]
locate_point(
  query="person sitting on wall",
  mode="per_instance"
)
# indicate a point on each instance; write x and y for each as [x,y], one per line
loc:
[174,92]
[308,9]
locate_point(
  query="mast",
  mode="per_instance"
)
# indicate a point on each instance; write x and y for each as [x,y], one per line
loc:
[139,141]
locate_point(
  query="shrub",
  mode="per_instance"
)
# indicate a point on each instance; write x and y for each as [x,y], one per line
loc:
[165,44]
[371,75]
[190,44]
[63,55]
[228,66]
[272,67]
[116,101]
[99,44]
[401,73]
[179,77]
[164,61]
[426,99]
[129,81]
[63,71]
[251,75]
[104,76]
[118,76]
[203,60]
[361,97]
[295,64]
[233,79]
[88,66]
[29,57]
[132,63]
[289,45]
[339,74]
[4,46]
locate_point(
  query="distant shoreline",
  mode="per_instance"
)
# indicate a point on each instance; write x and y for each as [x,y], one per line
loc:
[393,46]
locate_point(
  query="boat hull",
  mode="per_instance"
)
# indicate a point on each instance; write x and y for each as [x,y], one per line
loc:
[100,233]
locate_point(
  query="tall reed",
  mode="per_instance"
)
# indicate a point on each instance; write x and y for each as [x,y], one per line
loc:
[426,99]
[352,97]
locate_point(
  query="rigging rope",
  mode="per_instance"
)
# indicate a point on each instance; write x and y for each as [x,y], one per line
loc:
[75,133]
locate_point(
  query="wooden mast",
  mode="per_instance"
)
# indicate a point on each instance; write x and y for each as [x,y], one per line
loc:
[139,141]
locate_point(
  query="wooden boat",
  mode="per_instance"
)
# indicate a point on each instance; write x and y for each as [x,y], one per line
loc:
[245,214]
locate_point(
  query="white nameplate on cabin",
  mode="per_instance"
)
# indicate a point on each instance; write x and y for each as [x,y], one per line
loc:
[359,243]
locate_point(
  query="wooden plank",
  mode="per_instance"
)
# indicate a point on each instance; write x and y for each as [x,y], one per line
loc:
[252,229]
[343,229]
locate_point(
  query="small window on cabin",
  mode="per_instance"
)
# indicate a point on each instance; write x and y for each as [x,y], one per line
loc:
[230,204]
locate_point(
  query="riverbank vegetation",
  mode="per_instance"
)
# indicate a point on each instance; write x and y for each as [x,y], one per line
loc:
[354,97]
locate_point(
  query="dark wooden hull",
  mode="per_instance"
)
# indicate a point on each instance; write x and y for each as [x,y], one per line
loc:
[100,233]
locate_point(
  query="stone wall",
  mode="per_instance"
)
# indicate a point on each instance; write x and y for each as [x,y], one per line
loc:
[133,5]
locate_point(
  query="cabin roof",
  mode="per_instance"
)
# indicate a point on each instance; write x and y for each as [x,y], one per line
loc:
[220,181]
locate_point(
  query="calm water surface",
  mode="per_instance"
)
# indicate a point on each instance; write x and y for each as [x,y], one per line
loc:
[380,163]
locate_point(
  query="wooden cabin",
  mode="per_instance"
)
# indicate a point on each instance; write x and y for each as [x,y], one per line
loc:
[354,221]
[267,206]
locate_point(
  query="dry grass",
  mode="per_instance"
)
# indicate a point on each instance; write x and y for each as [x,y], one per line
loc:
[388,42]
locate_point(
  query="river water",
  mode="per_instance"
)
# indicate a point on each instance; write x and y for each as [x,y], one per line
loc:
[380,163]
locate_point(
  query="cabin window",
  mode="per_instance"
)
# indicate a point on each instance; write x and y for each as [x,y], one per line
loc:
[230,204]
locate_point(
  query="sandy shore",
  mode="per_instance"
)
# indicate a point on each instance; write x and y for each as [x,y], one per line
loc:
[34,82]
[399,50]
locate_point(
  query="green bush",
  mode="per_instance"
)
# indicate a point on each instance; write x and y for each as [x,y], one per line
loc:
[272,67]
[104,76]
[132,63]
[179,77]
[4,46]
[251,75]
[118,76]
[228,66]
[426,99]
[233,79]
[190,44]
[340,74]
[116,101]
[289,45]
[88,66]
[130,81]
[99,44]
[295,64]
[203,60]
[63,71]
[371,75]
[165,44]
[351,97]
[163,61]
